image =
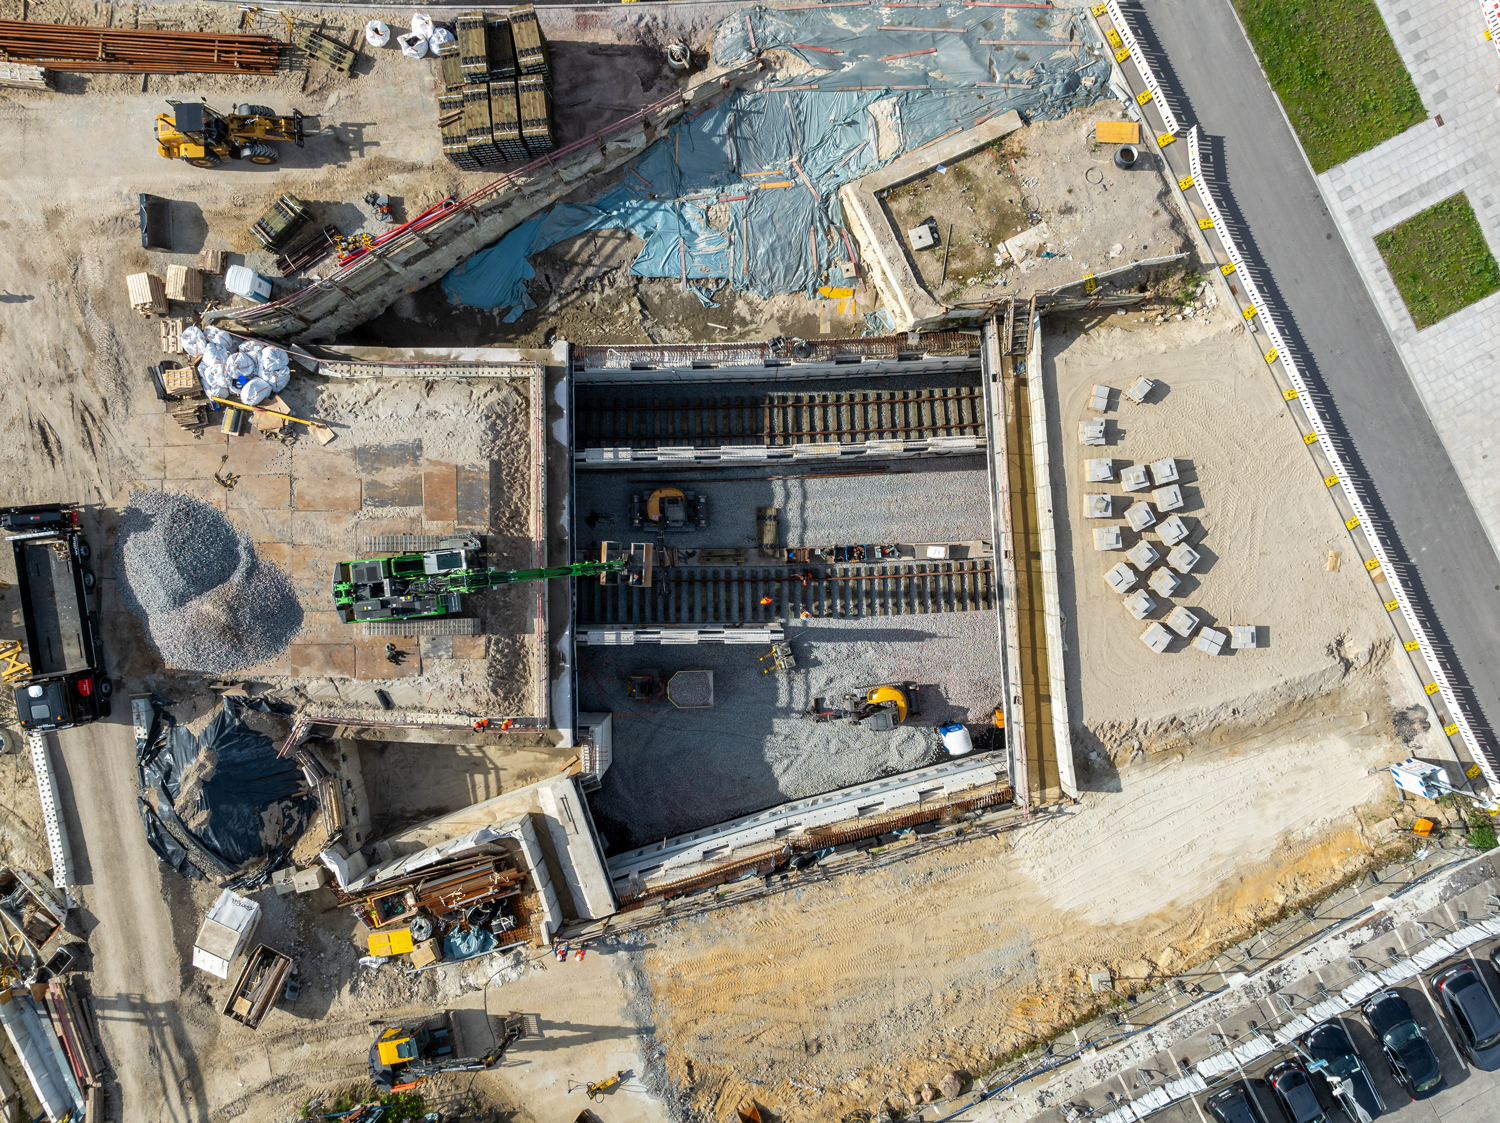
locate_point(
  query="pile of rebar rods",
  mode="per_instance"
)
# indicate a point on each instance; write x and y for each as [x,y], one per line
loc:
[127,51]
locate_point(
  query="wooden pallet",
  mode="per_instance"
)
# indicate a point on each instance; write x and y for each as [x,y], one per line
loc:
[181,382]
[212,261]
[147,294]
[329,52]
[184,284]
[171,336]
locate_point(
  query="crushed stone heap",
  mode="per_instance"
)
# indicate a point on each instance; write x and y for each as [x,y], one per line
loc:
[208,602]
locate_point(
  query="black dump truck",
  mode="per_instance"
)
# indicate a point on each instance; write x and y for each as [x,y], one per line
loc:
[66,685]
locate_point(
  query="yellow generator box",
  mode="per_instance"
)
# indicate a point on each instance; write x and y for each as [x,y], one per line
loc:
[397,941]
[1117,132]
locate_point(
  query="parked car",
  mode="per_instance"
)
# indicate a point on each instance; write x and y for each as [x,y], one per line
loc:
[1334,1057]
[1294,1091]
[1235,1105]
[1472,1011]
[1411,1059]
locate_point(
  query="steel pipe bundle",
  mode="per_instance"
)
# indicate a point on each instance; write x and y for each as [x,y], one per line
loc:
[126,51]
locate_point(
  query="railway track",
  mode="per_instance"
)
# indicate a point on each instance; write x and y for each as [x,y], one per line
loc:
[650,420]
[733,594]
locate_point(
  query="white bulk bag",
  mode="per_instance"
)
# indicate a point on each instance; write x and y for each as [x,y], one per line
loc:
[413,45]
[255,391]
[377,34]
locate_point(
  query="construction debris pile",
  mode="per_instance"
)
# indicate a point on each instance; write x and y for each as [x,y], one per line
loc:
[209,603]
[496,104]
[448,911]
[250,370]
[221,806]
[44,1021]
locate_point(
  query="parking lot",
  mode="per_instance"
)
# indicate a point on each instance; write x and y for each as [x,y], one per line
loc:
[1467,1094]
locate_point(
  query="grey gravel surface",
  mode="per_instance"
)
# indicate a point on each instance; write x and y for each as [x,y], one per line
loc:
[680,770]
[209,603]
[940,500]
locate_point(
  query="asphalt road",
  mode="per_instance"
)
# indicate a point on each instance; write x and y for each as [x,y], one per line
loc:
[1213,79]
[136,975]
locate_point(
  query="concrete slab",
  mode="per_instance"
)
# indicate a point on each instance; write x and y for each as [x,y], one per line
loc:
[370,663]
[322,660]
[468,647]
[322,528]
[393,489]
[252,455]
[326,493]
[473,498]
[268,525]
[439,491]
[203,489]
[324,627]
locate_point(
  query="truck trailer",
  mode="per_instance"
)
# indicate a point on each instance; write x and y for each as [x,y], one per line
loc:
[66,684]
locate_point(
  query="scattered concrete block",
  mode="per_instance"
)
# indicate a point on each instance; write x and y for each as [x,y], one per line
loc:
[1172,530]
[1139,605]
[1164,582]
[921,237]
[1139,516]
[1028,242]
[1138,389]
[1164,471]
[1107,538]
[1099,470]
[1134,478]
[1182,621]
[1182,558]
[1121,578]
[1099,397]
[1100,982]
[1142,555]
[1091,432]
[1241,635]
[1157,638]
[1096,506]
[1210,642]
[1167,498]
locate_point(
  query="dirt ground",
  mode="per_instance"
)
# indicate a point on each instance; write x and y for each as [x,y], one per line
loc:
[1257,513]
[830,998]
[1050,172]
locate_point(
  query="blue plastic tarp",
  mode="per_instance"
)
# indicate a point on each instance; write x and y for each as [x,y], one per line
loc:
[702,199]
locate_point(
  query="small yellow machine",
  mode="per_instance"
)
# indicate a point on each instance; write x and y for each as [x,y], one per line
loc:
[205,138]
[668,508]
[881,707]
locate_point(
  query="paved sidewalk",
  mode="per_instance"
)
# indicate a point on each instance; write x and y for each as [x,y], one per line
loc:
[1455,364]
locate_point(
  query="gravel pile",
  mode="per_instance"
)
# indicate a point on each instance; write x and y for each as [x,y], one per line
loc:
[208,602]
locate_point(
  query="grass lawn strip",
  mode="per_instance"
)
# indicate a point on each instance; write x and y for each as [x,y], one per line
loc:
[1334,67]
[1440,260]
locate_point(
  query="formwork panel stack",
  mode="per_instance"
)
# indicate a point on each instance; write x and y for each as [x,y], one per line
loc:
[536,115]
[496,106]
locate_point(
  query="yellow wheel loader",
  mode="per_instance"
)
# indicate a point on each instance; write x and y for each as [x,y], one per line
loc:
[205,138]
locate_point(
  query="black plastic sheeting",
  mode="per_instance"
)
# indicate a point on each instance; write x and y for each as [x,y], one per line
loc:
[247,806]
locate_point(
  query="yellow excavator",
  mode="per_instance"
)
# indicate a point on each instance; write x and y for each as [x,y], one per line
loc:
[882,707]
[205,138]
[668,508]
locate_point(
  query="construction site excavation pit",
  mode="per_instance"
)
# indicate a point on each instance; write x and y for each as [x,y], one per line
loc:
[870,572]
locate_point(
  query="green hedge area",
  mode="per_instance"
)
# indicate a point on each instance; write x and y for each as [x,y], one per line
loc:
[1336,70]
[1440,260]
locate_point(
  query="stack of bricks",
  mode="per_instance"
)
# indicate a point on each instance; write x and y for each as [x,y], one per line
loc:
[496,103]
